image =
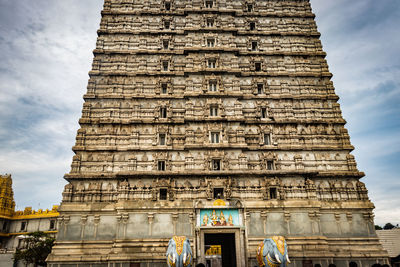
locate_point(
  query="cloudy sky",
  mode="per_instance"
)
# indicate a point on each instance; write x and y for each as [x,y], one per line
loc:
[45,53]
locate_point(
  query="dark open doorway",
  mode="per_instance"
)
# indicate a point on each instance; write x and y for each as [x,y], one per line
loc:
[227,243]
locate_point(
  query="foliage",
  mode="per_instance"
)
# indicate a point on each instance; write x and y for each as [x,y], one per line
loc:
[377,227]
[37,247]
[388,226]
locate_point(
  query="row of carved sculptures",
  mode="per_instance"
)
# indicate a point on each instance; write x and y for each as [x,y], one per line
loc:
[268,189]
[197,81]
[233,105]
[292,129]
[211,63]
[287,7]
[198,22]
[170,44]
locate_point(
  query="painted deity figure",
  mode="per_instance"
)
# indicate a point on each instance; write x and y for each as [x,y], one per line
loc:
[230,220]
[222,220]
[205,220]
[214,218]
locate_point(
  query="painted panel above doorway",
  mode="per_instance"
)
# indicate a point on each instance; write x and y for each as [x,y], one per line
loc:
[219,217]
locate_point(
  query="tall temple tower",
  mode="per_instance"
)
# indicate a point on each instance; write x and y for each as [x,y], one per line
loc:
[216,120]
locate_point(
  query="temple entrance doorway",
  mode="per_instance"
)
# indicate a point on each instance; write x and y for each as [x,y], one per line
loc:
[220,249]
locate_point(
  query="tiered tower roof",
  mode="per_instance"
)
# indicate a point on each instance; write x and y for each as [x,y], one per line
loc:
[7,204]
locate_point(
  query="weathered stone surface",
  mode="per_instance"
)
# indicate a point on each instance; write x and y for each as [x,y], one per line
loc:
[190,99]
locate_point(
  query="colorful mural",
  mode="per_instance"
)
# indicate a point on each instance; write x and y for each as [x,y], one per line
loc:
[213,250]
[219,217]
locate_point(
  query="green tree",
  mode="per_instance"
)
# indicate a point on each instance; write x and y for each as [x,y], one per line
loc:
[37,247]
[377,227]
[388,226]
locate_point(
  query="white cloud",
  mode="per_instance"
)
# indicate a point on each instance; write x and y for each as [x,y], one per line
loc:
[362,43]
[46,55]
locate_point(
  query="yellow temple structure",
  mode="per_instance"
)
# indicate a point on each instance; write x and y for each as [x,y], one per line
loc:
[15,225]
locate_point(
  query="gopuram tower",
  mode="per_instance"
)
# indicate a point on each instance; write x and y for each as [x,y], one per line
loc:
[216,120]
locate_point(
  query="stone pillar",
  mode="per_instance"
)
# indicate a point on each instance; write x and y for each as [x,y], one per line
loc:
[66,222]
[119,220]
[337,217]
[369,220]
[311,215]
[150,217]
[287,220]
[125,218]
[174,220]
[264,217]
[192,223]
[96,221]
[83,224]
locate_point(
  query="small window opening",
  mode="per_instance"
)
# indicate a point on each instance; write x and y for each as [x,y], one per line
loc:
[252,26]
[272,193]
[161,139]
[218,193]
[211,42]
[215,137]
[216,164]
[211,63]
[209,4]
[210,22]
[260,88]
[163,112]
[23,226]
[257,66]
[167,6]
[4,225]
[263,113]
[164,88]
[249,7]
[213,111]
[212,86]
[165,65]
[167,24]
[270,165]
[165,44]
[267,139]
[161,165]
[52,224]
[254,46]
[163,194]
[352,264]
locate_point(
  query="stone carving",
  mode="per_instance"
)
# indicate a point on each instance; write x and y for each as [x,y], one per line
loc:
[187,102]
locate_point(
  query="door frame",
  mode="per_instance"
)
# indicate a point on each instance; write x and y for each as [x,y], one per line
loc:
[222,230]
